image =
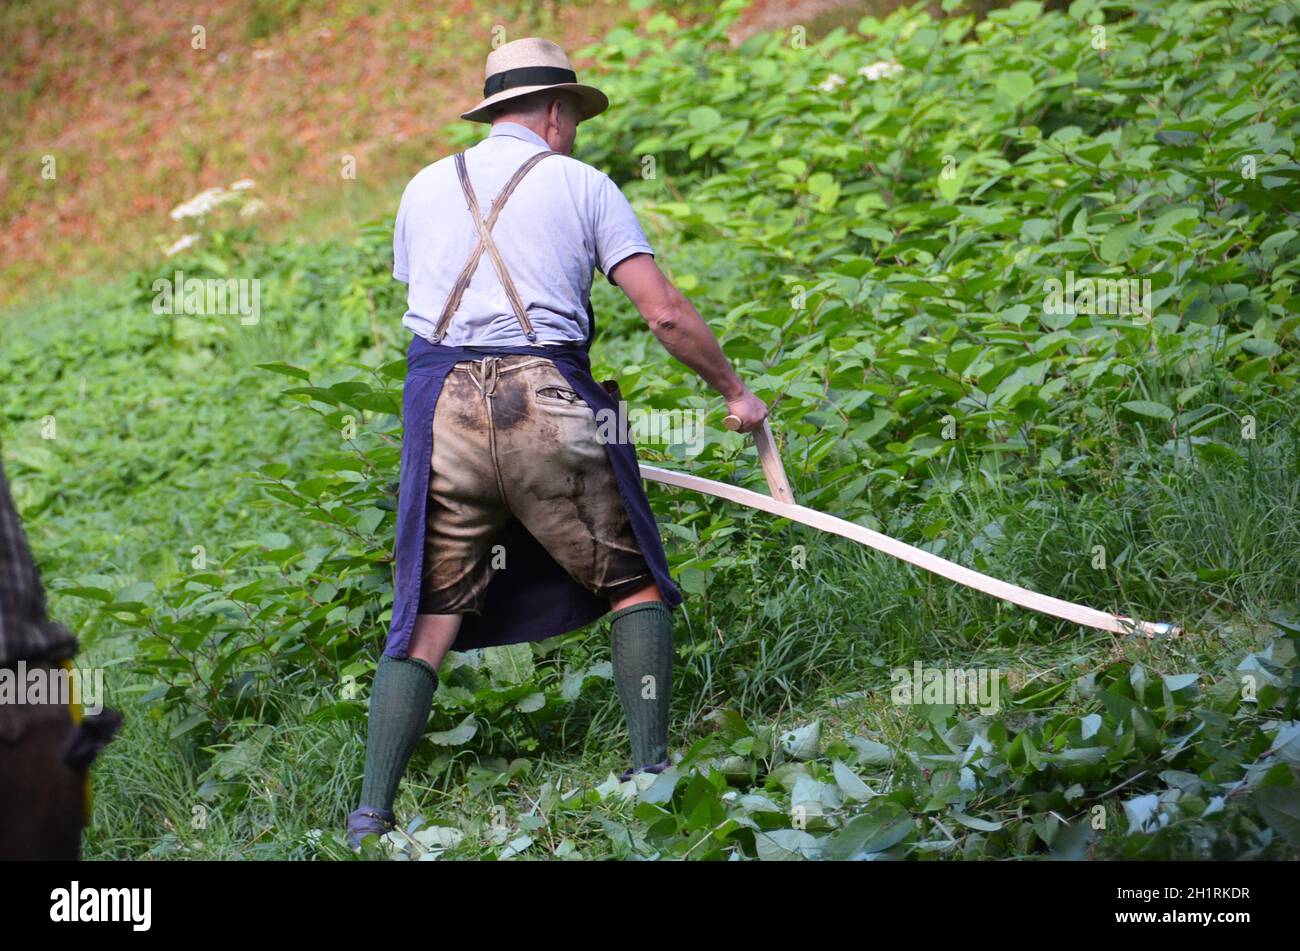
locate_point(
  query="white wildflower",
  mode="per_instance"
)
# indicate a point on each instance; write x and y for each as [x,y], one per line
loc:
[832,81]
[241,185]
[254,206]
[200,204]
[880,69]
[185,241]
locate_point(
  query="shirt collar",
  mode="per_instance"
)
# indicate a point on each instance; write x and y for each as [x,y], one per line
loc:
[517,131]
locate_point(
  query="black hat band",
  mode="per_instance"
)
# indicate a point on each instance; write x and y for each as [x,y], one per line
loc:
[527,76]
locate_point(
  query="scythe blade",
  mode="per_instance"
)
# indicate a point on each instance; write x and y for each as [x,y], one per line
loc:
[1045,604]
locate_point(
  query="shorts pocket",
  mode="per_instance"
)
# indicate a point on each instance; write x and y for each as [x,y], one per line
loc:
[558,396]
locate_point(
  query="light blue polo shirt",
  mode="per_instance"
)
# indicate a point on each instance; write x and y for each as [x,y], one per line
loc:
[563,220]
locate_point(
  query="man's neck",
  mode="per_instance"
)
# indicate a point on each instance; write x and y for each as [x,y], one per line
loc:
[527,122]
[507,125]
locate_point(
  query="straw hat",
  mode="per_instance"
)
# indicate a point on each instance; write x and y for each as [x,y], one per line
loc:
[529,65]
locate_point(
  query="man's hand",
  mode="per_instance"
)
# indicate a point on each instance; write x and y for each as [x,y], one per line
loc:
[749,409]
[678,326]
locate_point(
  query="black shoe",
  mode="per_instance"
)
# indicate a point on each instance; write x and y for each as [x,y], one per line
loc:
[366,821]
[656,768]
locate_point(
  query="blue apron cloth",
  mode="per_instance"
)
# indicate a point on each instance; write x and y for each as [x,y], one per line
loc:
[536,598]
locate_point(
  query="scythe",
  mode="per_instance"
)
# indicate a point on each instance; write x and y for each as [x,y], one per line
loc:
[782,503]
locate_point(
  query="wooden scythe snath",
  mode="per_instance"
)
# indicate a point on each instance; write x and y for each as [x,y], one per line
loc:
[782,503]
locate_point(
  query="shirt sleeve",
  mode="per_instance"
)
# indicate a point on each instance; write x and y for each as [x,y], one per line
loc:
[400,270]
[618,233]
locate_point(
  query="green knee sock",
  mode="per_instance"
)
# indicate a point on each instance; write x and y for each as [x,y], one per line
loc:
[400,702]
[642,653]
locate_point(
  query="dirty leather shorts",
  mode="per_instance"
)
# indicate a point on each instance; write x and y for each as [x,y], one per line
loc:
[511,439]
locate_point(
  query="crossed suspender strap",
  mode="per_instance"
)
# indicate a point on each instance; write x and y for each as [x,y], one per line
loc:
[485,242]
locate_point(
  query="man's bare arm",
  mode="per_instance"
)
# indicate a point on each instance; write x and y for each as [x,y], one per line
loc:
[679,327]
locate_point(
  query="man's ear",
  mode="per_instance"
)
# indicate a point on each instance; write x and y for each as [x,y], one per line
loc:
[567,104]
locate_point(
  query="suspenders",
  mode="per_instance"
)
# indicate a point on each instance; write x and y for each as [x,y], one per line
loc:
[485,242]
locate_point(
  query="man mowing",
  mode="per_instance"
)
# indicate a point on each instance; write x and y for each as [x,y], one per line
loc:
[516,520]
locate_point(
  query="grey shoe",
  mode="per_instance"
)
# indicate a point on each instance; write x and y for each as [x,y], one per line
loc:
[366,821]
[656,768]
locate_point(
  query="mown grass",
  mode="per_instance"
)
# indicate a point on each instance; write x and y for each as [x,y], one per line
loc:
[138,120]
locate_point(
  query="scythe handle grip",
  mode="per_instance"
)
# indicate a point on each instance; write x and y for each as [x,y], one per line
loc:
[773,470]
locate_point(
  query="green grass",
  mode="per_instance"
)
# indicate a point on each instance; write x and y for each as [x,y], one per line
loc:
[815,637]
